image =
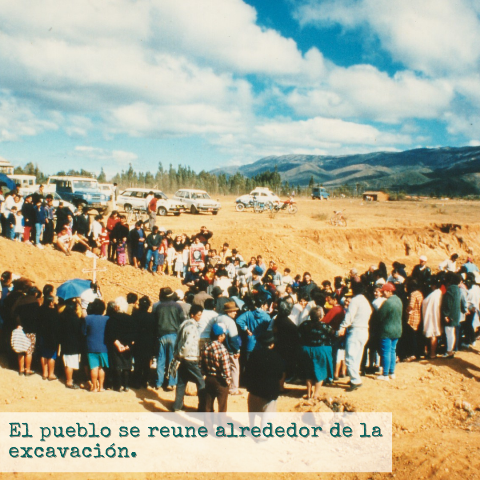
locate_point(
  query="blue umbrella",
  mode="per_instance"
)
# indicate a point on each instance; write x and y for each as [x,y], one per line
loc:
[7,182]
[73,288]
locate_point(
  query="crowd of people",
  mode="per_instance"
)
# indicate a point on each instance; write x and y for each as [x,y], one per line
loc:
[240,323]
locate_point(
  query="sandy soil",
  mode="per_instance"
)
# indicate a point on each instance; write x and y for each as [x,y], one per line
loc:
[435,404]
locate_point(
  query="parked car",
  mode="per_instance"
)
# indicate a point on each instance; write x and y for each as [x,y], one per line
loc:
[107,188]
[134,199]
[79,191]
[261,194]
[197,201]
[320,193]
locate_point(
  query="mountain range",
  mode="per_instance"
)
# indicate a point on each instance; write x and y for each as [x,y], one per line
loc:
[444,171]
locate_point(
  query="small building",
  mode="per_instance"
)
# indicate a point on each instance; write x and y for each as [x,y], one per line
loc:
[376,196]
[6,167]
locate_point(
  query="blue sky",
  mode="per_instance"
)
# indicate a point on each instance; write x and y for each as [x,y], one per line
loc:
[208,83]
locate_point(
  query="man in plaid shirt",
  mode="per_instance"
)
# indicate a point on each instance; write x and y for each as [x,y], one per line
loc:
[216,367]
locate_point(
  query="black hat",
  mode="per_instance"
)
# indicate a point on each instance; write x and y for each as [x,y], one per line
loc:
[166,293]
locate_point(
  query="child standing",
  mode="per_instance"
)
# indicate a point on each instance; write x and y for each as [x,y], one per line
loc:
[104,241]
[122,252]
[171,255]
[179,264]
[19,226]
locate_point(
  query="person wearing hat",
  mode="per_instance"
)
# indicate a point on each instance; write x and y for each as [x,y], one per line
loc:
[423,275]
[264,375]
[220,299]
[389,324]
[168,318]
[216,368]
[188,353]
[232,343]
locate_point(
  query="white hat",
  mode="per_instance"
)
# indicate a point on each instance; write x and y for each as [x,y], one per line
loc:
[180,294]
[423,258]
[162,229]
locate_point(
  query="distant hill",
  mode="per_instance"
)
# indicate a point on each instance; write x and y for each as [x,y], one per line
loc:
[445,171]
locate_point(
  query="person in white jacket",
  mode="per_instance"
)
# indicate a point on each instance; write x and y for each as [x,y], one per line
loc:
[355,325]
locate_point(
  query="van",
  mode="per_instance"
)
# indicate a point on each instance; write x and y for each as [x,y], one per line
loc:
[320,193]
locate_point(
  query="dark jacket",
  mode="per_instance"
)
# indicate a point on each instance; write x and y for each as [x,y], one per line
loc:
[28,212]
[145,334]
[81,224]
[71,332]
[48,328]
[451,305]
[154,241]
[168,318]
[26,314]
[40,215]
[316,334]
[263,373]
[119,232]
[389,318]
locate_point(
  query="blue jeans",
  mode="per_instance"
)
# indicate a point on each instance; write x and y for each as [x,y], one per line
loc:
[354,345]
[189,371]
[151,254]
[388,355]
[165,355]
[38,233]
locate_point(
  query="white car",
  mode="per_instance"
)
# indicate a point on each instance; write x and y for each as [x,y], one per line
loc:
[134,199]
[261,194]
[197,201]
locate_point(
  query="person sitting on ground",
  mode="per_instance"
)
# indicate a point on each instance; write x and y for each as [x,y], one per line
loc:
[66,241]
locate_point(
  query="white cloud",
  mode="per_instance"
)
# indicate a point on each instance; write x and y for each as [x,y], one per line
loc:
[431,36]
[17,120]
[364,92]
[463,124]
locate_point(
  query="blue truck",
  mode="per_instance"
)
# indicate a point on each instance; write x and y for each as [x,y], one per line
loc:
[320,193]
[82,191]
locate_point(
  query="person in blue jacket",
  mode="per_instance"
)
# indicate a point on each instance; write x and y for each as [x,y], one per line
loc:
[255,322]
